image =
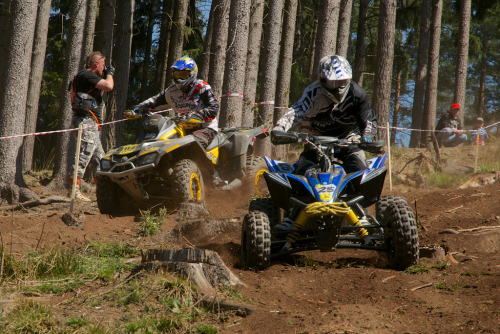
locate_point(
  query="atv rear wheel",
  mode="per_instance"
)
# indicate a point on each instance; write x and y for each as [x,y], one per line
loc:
[267,206]
[188,181]
[255,241]
[383,203]
[110,197]
[401,235]
[255,168]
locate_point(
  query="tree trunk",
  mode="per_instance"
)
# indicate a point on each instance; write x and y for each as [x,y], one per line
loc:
[462,56]
[35,81]
[269,69]
[344,28]
[297,42]
[420,75]
[103,39]
[385,58]
[314,33]
[204,65]
[429,117]
[237,44]
[395,115]
[285,67]
[359,60]
[147,55]
[218,47]
[351,27]
[176,36]
[162,58]
[88,44]
[326,37]
[4,38]
[62,160]
[482,80]
[285,60]
[252,67]
[121,56]
[13,102]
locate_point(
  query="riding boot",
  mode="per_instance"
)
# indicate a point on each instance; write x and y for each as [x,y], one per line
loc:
[78,195]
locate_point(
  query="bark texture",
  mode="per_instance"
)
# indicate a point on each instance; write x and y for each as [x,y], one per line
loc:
[147,54]
[204,65]
[482,79]
[421,71]
[176,36]
[429,117]
[62,159]
[359,59]
[269,72]
[344,29]
[103,39]
[35,81]
[253,56]
[385,58]
[237,44]
[90,22]
[326,37]
[13,102]
[462,56]
[218,47]
[121,57]
[166,28]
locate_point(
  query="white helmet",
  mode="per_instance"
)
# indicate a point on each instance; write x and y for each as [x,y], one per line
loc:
[334,75]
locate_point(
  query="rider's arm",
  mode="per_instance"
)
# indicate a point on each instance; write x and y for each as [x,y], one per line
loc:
[210,104]
[295,115]
[155,101]
[367,122]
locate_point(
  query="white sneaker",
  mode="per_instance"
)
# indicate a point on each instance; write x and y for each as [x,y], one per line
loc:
[79,196]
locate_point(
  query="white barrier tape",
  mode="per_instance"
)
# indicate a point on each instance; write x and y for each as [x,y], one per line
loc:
[69,130]
[420,130]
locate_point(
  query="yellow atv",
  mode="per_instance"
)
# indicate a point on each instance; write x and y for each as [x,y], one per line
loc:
[168,165]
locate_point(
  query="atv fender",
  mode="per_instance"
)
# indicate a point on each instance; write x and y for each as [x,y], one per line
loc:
[185,147]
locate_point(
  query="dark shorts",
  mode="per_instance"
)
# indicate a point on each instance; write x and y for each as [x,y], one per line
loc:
[205,136]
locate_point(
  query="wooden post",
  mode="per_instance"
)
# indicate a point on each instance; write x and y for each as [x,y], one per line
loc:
[477,150]
[389,155]
[75,173]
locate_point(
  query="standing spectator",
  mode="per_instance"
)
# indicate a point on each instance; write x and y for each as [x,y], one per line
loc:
[449,128]
[88,107]
[483,135]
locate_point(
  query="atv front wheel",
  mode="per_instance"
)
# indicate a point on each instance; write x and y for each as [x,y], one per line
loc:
[383,203]
[255,241]
[110,197]
[267,206]
[401,235]
[255,168]
[188,181]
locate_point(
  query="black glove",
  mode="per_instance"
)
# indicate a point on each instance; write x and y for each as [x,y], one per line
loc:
[109,70]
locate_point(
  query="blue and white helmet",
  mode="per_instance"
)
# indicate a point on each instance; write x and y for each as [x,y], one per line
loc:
[334,75]
[184,71]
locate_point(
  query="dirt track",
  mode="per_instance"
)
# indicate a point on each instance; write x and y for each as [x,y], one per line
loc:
[346,291]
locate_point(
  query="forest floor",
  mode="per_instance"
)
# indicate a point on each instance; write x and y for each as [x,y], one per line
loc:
[346,291]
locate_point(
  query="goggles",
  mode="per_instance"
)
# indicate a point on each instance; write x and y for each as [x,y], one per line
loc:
[332,84]
[183,75]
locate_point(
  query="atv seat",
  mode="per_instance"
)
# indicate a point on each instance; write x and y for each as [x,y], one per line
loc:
[217,141]
[154,127]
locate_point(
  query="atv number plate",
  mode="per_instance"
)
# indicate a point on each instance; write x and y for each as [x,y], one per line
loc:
[325,191]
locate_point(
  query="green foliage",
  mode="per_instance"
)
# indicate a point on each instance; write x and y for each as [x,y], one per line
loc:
[206,329]
[444,180]
[150,223]
[28,317]
[416,269]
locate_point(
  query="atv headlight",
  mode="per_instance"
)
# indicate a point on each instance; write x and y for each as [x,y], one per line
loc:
[105,164]
[148,159]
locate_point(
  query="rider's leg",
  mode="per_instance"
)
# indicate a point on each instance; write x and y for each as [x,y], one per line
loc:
[354,161]
[204,136]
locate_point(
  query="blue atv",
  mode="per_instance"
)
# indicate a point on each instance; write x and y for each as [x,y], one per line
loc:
[325,208]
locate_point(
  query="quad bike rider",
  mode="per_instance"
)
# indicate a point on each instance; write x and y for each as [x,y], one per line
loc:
[324,202]
[174,155]
[332,106]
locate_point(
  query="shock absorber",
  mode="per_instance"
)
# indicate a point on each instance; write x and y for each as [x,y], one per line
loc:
[299,223]
[353,220]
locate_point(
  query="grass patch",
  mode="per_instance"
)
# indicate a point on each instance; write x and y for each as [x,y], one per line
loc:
[307,262]
[441,265]
[28,317]
[416,269]
[150,223]
[443,180]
